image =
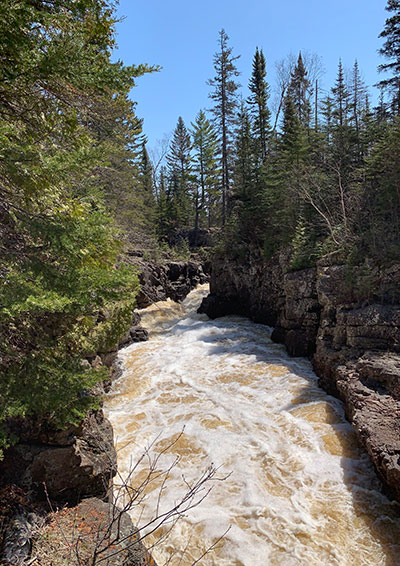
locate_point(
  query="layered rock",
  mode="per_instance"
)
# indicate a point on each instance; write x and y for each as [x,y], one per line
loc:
[67,464]
[173,280]
[347,321]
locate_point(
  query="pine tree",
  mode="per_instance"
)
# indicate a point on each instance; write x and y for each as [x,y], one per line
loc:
[245,158]
[299,92]
[224,110]
[247,180]
[341,138]
[327,114]
[341,99]
[205,167]
[180,169]
[258,102]
[391,51]
[65,129]
[358,93]
[293,140]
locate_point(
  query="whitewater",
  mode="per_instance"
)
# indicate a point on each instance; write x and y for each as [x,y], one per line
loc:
[292,486]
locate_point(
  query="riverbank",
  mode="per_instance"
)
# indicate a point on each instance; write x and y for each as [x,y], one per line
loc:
[52,468]
[347,320]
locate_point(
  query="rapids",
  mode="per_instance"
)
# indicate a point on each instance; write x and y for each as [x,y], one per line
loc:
[297,490]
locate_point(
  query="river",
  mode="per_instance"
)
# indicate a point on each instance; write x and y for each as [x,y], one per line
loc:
[292,485]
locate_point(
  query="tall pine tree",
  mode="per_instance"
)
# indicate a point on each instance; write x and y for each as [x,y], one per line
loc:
[224,96]
[180,169]
[299,92]
[258,101]
[391,51]
[205,168]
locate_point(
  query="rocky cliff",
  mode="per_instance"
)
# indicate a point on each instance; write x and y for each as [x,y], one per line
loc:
[347,320]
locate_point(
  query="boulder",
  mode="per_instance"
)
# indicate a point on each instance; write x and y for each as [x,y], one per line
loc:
[72,464]
[173,280]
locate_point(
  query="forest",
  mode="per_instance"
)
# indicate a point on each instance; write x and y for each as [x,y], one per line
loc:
[77,185]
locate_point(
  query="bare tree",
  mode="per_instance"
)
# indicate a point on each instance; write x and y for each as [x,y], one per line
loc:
[157,155]
[284,69]
[109,541]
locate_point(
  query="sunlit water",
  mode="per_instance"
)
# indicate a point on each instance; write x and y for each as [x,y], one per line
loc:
[300,491]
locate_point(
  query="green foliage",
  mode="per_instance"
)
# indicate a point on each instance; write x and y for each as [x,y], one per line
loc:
[175,201]
[322,191]
[304,248]
[67,134]
[224,95]
[205,169]
[258,102]
[391,51]
[181,251]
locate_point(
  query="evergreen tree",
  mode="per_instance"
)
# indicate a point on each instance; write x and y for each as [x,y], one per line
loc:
[358,93]
[341,99]
[247,180]
[224,96]
[205,167]
[391,51]
[64,118]
[299,92]
[341,138]
[180,170]
[258,102]
[244,162]
[327,114]
[293,140]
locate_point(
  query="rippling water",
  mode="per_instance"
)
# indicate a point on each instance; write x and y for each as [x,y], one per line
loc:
[300,491]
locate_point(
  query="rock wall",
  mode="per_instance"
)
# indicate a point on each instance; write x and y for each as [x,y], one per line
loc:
[172,280]
[347,321]
[74,463]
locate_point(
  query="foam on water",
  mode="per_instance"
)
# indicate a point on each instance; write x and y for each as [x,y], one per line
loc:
[298,489]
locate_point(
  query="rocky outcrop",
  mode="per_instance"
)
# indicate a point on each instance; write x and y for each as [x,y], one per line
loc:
[173,280]
[159,282]
[269,294]
[72,464]
[91,528]
[347,320]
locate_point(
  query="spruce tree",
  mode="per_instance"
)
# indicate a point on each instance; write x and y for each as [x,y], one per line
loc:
[293,140]
[358,93]
[205,167]
[299,92]
[224,96]
[245,158]
[391,51]
[247,180]
[65,128]
[180,169]
[258,101]
[341,132]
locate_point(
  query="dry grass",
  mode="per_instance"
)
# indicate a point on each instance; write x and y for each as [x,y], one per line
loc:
[72,536]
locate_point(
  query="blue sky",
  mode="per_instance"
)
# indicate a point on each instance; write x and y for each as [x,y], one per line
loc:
[181,36]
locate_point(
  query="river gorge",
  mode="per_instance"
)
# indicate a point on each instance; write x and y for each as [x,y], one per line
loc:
[295,487]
